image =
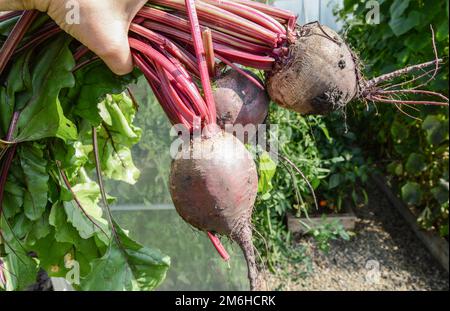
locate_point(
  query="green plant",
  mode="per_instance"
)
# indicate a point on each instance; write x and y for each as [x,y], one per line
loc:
[322,148]
[326,232]
[410,145]
[151,154]
[349,168]
[195,264]
[51,215]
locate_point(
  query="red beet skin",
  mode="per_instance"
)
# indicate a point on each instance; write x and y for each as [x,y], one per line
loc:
[319,75]
[240,101]
[217,192]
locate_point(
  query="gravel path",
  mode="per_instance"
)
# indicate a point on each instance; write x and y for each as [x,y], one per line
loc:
[383,255]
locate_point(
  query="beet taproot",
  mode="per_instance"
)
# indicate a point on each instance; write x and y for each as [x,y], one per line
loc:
[319,74]
[213,184]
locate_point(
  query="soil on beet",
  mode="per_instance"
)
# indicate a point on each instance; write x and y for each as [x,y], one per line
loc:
[318,76]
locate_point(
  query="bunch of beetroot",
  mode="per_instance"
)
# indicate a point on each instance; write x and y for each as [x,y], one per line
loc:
[192,53]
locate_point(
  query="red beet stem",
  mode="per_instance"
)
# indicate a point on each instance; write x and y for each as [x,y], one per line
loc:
[218,245]
[187,86]
[178,22]
[168,45]
[201,60]
[232,54]
[269,10]
[15,37]
[250,13]
[10,15]
[209,50]
[242,72]
[224,19]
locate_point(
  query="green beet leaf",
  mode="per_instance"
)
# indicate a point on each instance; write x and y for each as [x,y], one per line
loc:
[13,198]
[116,137]
[87,218]
[94,82]
[129,266]
[42,115]
[34,166]
[21,270]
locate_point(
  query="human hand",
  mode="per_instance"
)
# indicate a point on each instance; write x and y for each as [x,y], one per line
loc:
[103,25]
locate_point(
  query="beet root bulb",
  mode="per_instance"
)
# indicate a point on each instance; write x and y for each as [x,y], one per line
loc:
[213,184]
[239,100]
[318,76]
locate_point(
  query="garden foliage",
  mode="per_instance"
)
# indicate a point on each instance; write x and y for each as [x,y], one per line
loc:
[52,217]
[410,145]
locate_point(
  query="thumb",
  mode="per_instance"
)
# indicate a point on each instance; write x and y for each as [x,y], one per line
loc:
[115,52]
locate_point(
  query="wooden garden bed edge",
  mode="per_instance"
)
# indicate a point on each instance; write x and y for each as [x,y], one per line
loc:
[347,219]
[437,246]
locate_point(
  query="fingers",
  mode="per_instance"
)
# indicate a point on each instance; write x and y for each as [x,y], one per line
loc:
[117,55]
[108,39]
[103,28]
[134,6]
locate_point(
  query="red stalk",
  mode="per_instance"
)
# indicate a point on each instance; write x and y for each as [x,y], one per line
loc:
[9,15]
[218,245]
[4,169]
[138,20]
[85,63]
[176,62]
[250,13]
[291,23]
[244,58]
[269,10]
[218,17]
[4,173]
[141,64]
[168,45]
[80,52]
[39,38]
[16,35]
[210,23]
[234,55]
[169,82]
[239,43]
[188,86]
[242,36]
[242,42]
[155,84]
[184,115]
[242,72]
[154,80]
[200,53]
[209,50]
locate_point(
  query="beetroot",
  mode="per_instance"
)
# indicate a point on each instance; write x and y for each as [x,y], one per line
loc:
[318,75]
[239,101]
[215,192]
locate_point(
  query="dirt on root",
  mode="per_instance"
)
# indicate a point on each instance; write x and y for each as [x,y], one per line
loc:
[383,255]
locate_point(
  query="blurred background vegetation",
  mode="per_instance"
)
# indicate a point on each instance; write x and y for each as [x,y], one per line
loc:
[411,147]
